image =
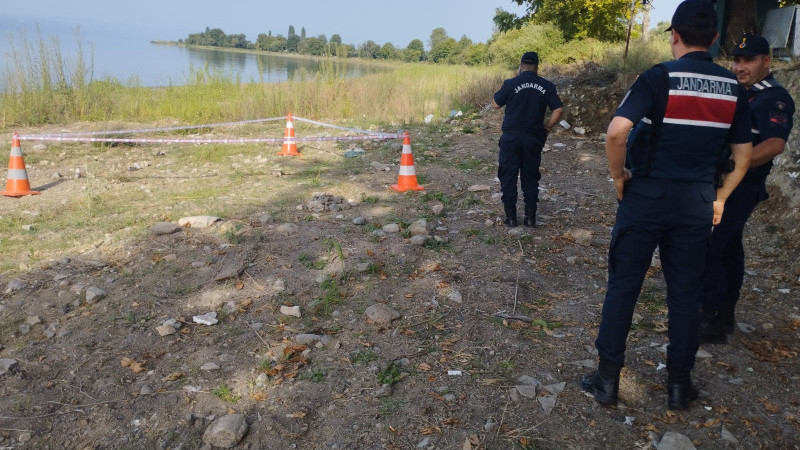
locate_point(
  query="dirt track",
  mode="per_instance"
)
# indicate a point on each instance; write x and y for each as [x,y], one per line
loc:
[72,388]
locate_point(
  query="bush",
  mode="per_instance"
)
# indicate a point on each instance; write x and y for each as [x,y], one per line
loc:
[545,39]
[641,56]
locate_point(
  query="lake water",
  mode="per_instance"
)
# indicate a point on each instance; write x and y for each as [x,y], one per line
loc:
[128,55]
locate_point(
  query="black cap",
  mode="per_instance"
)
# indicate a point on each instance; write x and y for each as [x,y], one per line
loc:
[695,14]
[751,45]
[530,58]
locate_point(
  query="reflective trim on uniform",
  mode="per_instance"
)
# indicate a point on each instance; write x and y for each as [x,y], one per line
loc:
[17,174]
[623,99]
[731,98]
[754,131]
[407,170]
[647,121]
[766,83]
[699,123]
[700,76]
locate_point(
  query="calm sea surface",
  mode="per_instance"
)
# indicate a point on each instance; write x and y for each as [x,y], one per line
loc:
[129,56]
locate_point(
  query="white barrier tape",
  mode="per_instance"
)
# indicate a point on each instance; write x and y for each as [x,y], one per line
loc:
[354,130]
[56,138]
[155,130]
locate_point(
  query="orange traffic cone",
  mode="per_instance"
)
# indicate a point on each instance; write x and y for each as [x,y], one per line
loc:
[17,184]
[407,179]
[289,145]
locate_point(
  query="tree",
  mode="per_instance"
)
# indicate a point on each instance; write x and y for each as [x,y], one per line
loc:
[505,20]
[476,54]
[291,43]
[291,31]
[387,52]
[336,39]
[464,43]
[369,50]
[546,39]
[269,43]
[443,47]
[311,46]
[600,19]
[415,51]
[438,35]
[302,33]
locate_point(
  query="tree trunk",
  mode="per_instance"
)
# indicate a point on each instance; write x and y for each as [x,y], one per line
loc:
[741,18]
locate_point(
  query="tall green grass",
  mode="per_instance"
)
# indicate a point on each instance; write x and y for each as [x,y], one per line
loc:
[44,87]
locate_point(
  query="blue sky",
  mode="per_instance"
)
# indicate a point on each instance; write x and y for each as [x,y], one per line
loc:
[354,20]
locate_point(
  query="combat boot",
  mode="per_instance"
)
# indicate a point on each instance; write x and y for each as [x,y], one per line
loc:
[511,217]
[680,389]
[603,383]
[680,395]
[715,325]
[530,216]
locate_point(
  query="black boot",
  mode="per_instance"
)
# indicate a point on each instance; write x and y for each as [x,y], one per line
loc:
[530,216]
[680,395]
[680,390]
[713,329]
[511,217]
[603,383]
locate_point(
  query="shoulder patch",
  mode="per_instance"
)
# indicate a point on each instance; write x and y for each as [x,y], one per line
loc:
[778,119]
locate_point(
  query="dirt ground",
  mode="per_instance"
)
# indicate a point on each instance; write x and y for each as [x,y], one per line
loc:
[93,371]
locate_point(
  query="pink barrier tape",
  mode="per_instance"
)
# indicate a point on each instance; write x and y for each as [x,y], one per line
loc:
[57,138]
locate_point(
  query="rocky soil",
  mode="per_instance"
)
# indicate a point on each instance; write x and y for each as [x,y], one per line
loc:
[364,318]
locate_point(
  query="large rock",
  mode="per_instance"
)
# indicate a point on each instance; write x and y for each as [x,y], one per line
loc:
[419,228]
[675,441]
[380,313]
[198,221]
[8,365]
[162,228]
[15,285]
[226,431]
[93,294]
[580,237]
[288,228]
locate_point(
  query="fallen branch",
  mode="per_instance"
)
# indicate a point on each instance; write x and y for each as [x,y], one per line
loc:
[514,317]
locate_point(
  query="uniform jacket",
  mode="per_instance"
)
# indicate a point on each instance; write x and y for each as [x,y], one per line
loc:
[705,109]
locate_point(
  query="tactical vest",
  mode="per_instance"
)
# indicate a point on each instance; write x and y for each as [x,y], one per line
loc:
[700,107]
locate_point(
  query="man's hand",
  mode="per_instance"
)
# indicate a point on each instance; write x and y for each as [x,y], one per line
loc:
[615,152]
[619,183]
[719,207]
